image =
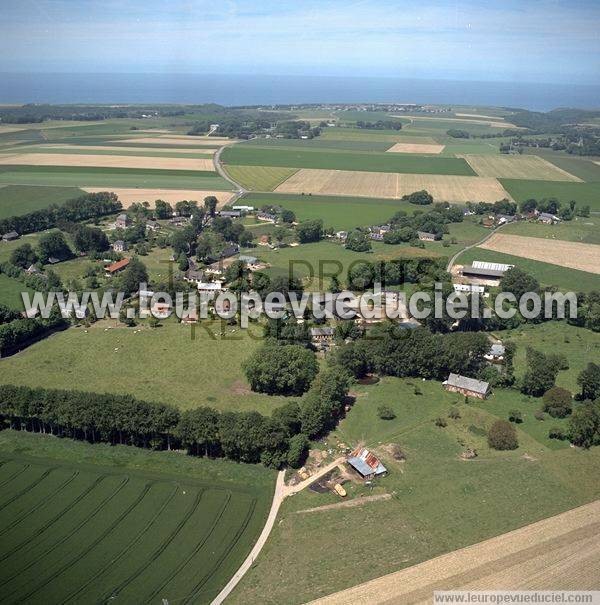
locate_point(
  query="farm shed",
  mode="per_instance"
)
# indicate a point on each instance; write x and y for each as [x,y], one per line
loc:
[366,464]
[424,236]
[116,267]
[470,387]
[10,236]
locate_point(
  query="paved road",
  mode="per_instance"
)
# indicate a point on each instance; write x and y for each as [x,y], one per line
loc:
[240,191]
[485,239]
[281,492]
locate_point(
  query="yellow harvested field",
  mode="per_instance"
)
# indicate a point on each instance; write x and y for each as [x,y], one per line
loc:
[455,189]
[121,149]
[528,167]
[559,553]
[171,140]
[415,148]
[107,161]
[478,115]
[583,257]
[494,123]
[131,196]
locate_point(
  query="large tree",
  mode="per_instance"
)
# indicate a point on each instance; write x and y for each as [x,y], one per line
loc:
[135,274]
[589,381]
[281,370]
[55,245]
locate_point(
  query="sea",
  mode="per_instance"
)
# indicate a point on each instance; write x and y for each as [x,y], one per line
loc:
[235,90]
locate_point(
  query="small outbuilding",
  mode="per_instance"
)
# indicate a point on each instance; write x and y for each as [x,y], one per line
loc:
[471,387]
[366,464]
[11,236]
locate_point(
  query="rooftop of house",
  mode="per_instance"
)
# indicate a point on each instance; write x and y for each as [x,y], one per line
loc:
[469,384]
[365,462]
[118,265]
[321,331]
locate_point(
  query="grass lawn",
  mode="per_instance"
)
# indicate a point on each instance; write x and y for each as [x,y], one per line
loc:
[170,364]
[77,176]
[259,178]
[547,274]
[585,194]
[303,261]
[369,162]
[439,502]
[341,213]
[584,230]
[10,292]
[164,525]
[16,200]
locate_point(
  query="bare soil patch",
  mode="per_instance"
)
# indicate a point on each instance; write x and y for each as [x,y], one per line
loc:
[345,504]
[450,188]
[108,161]
[583,257]
[559,553]
[415,148]
[528,167]
[131,196]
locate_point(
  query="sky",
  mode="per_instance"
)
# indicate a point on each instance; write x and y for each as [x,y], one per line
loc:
[530,40]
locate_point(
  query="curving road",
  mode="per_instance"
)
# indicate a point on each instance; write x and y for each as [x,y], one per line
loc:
[240,191]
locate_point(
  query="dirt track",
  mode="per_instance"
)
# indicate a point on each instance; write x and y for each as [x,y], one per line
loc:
[559,553]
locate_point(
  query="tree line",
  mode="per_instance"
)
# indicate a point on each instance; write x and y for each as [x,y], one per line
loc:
[85,207]
[276,441]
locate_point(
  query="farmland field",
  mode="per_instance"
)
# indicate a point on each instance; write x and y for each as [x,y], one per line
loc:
[104,529]
[583,168]
[322,143]
[111,150]
[457,189]
[245,155]
[107,161]
[546,273]
[172,364]
[492,494]
[131,196]
[585,194]
[16,200]
[337,212]
[583,257]
[517,167]
[580,229]
[415,148]
[259,178]
[92,176]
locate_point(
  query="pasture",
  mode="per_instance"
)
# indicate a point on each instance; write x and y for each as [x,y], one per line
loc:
[134,526]
[580,229]
[185,366]
[517,167]
[246,155]
[574,255]
[585,194]
[16,200]
[565,278]
[259,178]
[341,213]
[455,189]
[492,494]
[10,292]
[105,178]
[107,161]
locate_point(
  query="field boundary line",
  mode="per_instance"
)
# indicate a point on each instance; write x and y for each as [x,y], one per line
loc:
[93,544]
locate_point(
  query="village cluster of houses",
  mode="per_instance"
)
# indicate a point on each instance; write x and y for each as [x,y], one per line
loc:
[495,220]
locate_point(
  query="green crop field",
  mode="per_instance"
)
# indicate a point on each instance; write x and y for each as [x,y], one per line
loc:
[547,274]
[322,143]
[585,194]
[584,230]
[18,199]
[172,364]
[259,178]
[438,501]
[80,532]
[82,150]
[337,212]
[72,176]
[369,162]
[584,168]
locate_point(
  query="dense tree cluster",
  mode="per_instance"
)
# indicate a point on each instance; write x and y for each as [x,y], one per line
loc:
[88,206]
[358,241]
[455,133]
[404,227]
[310,231]
[420,198]
[363,274]
[380,125]
[20,332]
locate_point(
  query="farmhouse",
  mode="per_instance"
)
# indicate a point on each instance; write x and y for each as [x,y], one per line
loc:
[152,225]
[365,463]
[117,267]
[496,353]
[267,217]
[468,288]
[210,287]
[321,335]
[251,261]
[10,236]
[470,387]
[424,236]
[119,246]
[342,235]
[230,213]
[123,221]
[548,219]
[244,208]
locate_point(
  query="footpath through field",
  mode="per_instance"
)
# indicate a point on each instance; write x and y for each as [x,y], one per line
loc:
[559,553]
[281,491]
